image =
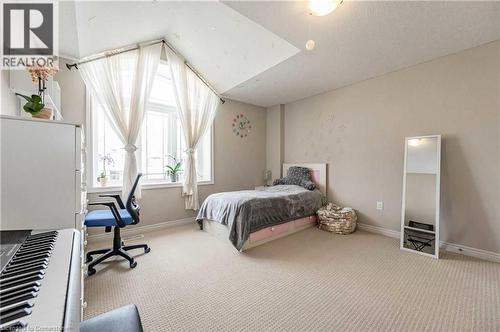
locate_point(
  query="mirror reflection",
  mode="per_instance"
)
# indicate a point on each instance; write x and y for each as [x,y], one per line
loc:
[421,195]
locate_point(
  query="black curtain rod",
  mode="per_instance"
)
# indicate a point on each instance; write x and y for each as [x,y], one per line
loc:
[163,41]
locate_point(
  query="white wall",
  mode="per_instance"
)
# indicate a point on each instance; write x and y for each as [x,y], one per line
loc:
[359,131]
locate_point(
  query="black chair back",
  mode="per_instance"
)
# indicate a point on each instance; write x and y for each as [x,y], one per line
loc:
[132,207]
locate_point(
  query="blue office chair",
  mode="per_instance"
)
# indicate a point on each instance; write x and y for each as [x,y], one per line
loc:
[115,218]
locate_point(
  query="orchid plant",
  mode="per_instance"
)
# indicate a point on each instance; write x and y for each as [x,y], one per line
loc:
[174,169]
[106,160]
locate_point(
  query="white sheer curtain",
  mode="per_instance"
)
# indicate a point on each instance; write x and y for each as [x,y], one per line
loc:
[196,107]
[122,84]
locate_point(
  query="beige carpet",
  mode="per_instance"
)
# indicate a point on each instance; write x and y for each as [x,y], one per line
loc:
[310,281]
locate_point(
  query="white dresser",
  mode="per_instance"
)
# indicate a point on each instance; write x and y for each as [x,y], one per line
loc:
[42,176]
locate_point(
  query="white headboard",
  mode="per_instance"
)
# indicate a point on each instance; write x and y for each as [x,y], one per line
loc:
[318,174]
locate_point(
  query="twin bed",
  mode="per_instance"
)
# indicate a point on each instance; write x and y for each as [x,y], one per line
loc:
[249,218]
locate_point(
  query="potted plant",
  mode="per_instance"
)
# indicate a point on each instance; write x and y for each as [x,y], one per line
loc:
[106,160]
[102,179]
[174,169]
[39,75]
[36,107]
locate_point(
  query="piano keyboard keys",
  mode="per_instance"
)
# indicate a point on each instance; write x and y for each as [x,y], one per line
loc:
[27,265]
[30,258]
[39,242]
[15,292]
[19,296]
[15,311]
[19,271]
[34,250]
[6,291]
[15,307]
[6,279]
[21,279]
[13,326]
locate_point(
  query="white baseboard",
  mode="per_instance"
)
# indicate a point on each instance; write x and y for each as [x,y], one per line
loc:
[472,252]
[141,229]
[379,230]
[451,247]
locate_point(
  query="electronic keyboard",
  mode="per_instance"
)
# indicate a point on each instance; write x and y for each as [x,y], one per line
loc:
[40,280]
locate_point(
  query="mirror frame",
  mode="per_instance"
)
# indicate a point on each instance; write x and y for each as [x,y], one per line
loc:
[438,193]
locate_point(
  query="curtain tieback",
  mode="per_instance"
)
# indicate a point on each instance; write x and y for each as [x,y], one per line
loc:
[190,151]
[130,148]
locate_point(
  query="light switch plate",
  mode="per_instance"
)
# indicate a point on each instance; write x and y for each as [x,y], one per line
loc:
[380,205]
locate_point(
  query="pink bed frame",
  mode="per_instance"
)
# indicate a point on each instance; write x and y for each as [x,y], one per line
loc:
[264,235]
[318,175]
[275,232]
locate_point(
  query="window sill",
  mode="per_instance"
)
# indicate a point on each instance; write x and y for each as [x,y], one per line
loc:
[145,186]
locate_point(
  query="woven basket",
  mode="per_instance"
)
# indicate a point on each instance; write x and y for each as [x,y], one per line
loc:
[336,219]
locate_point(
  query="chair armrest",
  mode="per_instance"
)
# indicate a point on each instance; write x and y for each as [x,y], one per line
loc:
[117,198]
[114,210]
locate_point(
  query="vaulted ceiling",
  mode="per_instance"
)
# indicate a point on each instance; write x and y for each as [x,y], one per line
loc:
[227,47]
[254,51]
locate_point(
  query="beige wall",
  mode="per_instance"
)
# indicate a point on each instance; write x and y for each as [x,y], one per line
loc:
[274,140]
[72,93]
[359,131]
[8,99]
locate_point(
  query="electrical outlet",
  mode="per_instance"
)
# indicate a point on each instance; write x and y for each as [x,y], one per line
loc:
[380,205]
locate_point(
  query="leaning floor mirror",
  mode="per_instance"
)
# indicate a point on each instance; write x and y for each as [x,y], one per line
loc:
[421,191]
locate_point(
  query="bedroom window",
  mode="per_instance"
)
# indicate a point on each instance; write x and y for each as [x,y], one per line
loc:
[159,143]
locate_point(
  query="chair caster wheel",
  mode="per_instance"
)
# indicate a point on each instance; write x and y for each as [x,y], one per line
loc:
[133,264]
[147,250]
[90,272]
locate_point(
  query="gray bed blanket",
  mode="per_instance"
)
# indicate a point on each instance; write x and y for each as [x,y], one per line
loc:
[247,211]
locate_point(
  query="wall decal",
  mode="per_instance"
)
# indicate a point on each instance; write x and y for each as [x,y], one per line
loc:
[241,126]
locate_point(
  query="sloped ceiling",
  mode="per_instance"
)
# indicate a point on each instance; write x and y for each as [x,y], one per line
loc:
[254,51]
[227,47]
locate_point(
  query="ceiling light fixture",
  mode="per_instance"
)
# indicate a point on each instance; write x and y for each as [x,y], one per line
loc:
[323,7]
[310,45]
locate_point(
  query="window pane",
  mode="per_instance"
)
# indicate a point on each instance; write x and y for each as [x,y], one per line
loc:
[154,153]
[160,143]
[162,91]
[108,150]
[172,152]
